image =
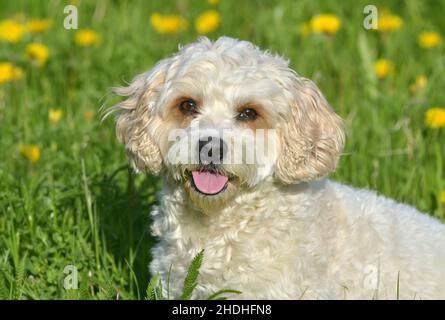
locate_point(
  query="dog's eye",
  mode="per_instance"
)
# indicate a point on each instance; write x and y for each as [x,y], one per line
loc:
[188,107]
[247,114]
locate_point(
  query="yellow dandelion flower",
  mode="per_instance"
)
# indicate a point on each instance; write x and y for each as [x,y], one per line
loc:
[88,116]
[429,40]
[435,117]
[383,68]
[207,22]
[167,23]
[38,25]
[325,23]
[86,38]
[54,115]
[30,152]
[442,197]
[11,31]
[388,22]
[37,53]
[213,2]
[420,84]
[8,72]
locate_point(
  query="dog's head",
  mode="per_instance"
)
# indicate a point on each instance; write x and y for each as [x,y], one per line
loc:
[220,117]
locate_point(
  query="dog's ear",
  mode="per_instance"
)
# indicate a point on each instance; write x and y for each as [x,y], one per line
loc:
[311,138]
[135,119]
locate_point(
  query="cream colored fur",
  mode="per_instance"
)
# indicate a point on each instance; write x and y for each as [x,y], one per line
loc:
[283,232]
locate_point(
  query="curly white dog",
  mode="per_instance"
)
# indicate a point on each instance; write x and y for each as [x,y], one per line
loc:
[271,227]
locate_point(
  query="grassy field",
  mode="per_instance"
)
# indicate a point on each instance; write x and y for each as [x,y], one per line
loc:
[67,196]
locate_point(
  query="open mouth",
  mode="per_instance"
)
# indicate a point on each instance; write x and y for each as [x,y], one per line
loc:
[209,182]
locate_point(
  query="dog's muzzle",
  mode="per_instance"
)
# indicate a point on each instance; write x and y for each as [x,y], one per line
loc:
[209,179]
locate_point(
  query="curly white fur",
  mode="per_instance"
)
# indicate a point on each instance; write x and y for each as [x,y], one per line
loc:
[286,234]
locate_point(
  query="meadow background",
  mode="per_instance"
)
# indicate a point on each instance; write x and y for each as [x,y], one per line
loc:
[67,196]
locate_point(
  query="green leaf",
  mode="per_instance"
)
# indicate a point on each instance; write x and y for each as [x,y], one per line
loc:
[84,288]
[4,291]
[216,295]
[19,279]
[110,292]
[191,279]
[151,289]
[159,294]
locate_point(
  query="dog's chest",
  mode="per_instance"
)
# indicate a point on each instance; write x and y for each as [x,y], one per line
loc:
[243,252]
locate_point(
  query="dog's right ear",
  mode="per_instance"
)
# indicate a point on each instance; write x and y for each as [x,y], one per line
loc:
[135,119]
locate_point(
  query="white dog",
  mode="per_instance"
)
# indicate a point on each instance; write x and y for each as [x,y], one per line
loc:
[272,229]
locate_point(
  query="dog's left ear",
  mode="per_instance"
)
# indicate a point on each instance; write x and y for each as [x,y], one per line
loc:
[312,138]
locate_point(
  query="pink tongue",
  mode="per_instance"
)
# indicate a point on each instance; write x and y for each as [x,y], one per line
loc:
[209,182]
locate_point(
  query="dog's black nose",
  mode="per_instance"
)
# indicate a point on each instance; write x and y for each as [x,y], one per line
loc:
[211,150]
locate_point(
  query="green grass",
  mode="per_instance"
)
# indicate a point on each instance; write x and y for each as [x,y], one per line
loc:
[80,205]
